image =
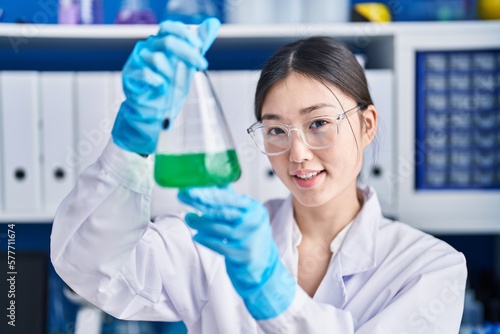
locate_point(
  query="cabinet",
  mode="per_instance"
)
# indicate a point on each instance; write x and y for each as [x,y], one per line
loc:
[389,51]
[446,210]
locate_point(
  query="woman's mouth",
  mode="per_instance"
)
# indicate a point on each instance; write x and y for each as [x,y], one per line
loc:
[309,179]
[307,176]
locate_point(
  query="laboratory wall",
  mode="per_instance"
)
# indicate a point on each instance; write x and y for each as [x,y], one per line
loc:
[435,162]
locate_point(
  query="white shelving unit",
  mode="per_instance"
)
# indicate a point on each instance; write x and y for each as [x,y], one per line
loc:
[261,31]
[439,211]
[388,47]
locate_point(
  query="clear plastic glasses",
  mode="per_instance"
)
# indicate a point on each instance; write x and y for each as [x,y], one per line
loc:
[317,133]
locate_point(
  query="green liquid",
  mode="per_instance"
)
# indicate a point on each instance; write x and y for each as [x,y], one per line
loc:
[196,169]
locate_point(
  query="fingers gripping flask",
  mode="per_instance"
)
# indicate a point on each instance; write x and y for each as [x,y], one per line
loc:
[197,151]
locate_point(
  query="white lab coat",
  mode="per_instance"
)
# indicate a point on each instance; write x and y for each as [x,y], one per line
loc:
[386,278]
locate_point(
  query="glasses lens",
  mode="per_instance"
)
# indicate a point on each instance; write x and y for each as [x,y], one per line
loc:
[271,139]
[320,133]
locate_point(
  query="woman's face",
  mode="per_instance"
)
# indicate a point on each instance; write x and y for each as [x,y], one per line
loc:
[316,177]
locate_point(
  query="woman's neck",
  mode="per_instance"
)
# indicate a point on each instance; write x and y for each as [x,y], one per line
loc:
[327,220]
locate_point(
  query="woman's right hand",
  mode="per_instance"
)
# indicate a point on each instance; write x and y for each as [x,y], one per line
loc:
[153,88]
[238,228]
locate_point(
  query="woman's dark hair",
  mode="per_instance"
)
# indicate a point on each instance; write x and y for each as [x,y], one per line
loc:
[321,58]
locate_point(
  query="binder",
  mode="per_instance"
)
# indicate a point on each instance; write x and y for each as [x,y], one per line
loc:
[235,90]
[93,125]
[20,141]
[116,94]
[382,175]
[56,109]
[250,12]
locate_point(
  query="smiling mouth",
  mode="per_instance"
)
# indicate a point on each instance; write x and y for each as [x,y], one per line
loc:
[308,175]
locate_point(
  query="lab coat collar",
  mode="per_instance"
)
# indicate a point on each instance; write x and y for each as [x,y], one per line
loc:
[358,251]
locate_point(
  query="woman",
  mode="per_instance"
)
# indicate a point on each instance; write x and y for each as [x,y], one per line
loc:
[323,260]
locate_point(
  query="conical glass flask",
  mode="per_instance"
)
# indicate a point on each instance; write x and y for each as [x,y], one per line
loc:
[198,150]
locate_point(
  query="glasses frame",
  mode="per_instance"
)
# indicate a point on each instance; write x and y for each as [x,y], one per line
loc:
[337,118]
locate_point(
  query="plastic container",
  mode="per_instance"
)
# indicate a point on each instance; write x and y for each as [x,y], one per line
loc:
[431,10]
[69,12]
[250,12]
[135,12]
[326,11]
[190,11]
[488,9]
[80,12]
[91,12]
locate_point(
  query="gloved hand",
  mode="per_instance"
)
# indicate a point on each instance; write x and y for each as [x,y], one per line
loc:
[238,227]
[154,84]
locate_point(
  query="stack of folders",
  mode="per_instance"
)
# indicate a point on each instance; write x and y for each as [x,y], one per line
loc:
[487,328]
[52,126]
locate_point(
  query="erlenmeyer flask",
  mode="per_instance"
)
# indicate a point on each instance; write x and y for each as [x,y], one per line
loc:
[198,150]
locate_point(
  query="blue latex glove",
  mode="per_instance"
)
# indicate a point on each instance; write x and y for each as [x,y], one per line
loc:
[154,84]
[238,227]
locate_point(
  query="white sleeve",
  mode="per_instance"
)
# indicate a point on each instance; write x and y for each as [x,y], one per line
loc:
[430,302]
[105,248]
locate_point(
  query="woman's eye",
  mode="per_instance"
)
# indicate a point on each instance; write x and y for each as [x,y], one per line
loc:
[275,131]
[318,123]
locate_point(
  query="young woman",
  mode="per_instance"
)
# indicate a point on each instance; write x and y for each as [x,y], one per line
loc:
[323,260]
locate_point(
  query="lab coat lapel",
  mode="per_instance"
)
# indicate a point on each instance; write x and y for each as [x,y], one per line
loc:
[283,233]
[356,255]
[358,252]
[332,289]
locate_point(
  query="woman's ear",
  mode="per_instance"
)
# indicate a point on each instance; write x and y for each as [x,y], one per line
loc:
[370,123]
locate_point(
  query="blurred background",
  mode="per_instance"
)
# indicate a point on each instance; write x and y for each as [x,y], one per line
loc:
[433,67]
[240,11]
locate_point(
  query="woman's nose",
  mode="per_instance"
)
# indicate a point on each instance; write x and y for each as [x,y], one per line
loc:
[299,152]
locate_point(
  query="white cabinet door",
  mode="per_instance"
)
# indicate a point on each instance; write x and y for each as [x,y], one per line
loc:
[236,90]
[378,161]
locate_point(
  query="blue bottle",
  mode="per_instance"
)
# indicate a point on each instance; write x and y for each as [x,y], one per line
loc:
[191,11]
[135,12]
[80,12]
[91,12]
[69,12]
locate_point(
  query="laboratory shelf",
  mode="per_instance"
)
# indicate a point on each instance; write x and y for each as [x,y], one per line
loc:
[33,217]
[240,31]
[106,47]
[391,47]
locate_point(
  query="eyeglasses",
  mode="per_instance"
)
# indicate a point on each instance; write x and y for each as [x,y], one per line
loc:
[317,133]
